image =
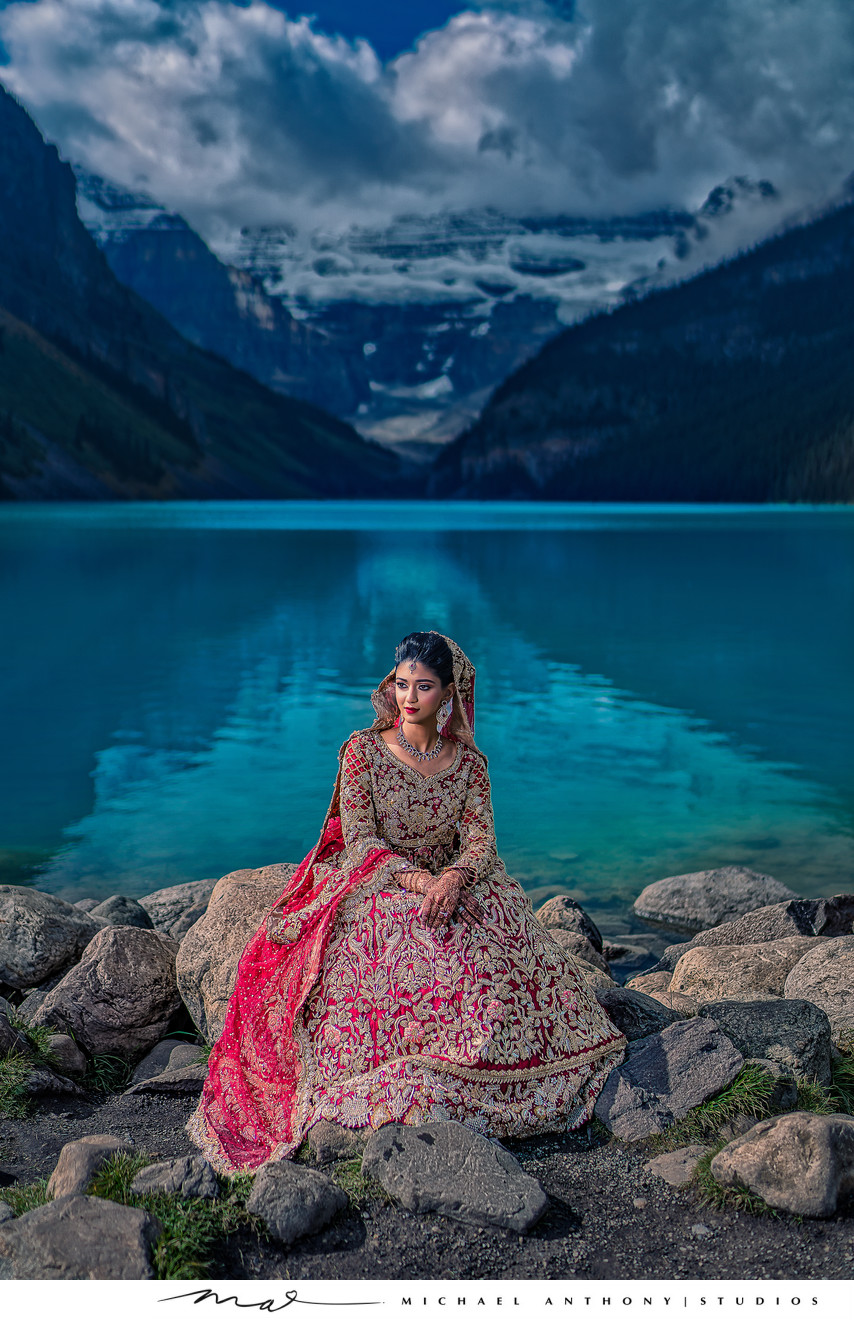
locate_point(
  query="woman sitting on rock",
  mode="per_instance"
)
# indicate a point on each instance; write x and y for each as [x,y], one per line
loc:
[402,975]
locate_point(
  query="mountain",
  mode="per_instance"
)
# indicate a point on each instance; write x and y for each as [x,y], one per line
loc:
[736,385]
[100,397]
[425,314]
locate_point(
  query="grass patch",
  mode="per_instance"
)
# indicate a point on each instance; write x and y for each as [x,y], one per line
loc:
[16,1068]
[841,1090]
[107,1073]
[748,1094]
[23,1197]
[715,1194]
[359,1187]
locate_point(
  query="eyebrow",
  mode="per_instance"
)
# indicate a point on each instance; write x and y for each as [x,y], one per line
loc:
[399,677]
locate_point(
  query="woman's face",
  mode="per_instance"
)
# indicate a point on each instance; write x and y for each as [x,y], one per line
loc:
[419,693]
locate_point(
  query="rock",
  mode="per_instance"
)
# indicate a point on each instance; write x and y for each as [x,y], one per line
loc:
[86,905]
[39,935]
[330,1142]
[7,1008]
[185,1056]
[120,996]
[156,1061]
[579,946]
[176,1082]
[119,911]
[448,1168]
[12,1042]
[626,960]
[701,1231]
[566,914]
[80,1161]
[797,917]
[785,1093]
[666,1075]
[825,977]
[67,1055]
[294,1201]
[594,977]
[188,1176]
[210,951]
[79,1238]
[635,1014]
[740,972]
[6,1213]
[705,898]
[174,909]
[737,1125]
[800,1162]
[794,1033]
[44,1082]
[29,1007]
[683,1005]
[677,1167]
[648,982]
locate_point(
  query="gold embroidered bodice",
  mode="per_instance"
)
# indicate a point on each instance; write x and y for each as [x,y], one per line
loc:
[427,821]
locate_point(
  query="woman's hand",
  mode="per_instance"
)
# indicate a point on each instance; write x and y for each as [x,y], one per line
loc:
[444,897]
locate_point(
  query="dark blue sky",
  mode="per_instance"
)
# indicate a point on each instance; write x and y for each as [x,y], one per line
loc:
[390,25]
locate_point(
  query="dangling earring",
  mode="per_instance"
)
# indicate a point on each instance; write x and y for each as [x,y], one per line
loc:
[444,714]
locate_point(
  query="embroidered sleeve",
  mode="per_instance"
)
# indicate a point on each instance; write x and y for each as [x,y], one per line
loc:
[477,855]
[358,818]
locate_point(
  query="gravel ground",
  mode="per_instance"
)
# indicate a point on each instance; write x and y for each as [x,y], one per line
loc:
[610,1219]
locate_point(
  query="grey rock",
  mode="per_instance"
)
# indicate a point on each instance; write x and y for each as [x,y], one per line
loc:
[567,914]
[176,908]
[448,1168]
[119,911]
[683,1005]
[627,960]
[7,1008]
[12,1042]
[30,1006]
[79,1238]
[825,976]
[666,1075]
[155,1061]
[647,982]
[635,1014]
[175,1082]
[800,1162]
[740,972]
[80,1161]
[67,1056]
[330,1142]
[86,905]
[294,1201]
[785,1093]
[704,899]
[795,917]
[44,1082]
[701,1231]
[6,1212]
[210,952]
[794,1033]
[594,977]
[736,1126]
[184,1056]
[119,998]
[580,948]
[39,935]
[188,1176]
[677,1167]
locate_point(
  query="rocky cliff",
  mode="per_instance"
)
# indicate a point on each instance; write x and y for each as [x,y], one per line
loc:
[734,386]
[101,397]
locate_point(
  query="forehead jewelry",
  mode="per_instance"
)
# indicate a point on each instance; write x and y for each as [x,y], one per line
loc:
[413,666]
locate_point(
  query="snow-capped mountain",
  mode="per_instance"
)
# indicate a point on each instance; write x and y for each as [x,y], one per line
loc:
[424,317]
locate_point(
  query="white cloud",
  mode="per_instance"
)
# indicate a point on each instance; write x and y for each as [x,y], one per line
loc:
[237,115]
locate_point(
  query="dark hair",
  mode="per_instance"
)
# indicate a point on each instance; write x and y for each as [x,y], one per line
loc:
[431,650]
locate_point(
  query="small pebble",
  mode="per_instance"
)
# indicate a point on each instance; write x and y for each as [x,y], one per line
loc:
[701,1231]
[639,1203]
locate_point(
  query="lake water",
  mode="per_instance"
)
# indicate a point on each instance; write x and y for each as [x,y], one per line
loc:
[660,688]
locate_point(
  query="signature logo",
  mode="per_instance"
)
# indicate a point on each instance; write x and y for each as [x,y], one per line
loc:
[264,1305]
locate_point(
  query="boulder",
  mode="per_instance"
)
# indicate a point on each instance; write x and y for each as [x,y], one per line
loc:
[796,917]
[67,1056]
[210,951]
[188,1176]
[42,1081]
[683,1005]
[706,898]
[625,959]
[6,1212]
[294,1201]
[593,977]
[330,1142]
[785,1093]
[566,914]
[12,1042]
[635,1014]
[648,982]
[175,1082]
[86,905]
[666,1075]
[119,998]
[39,935]
[580,948]
[79,1238]
[174,909]
[448,1168]
[677,1167]
[80,1161]
[155,1061]
[793,1033]
[825,977]
[799,1162]
[30,1005]
[119,911]
[739,972]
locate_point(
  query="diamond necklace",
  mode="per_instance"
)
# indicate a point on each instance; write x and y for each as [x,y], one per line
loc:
[413,752]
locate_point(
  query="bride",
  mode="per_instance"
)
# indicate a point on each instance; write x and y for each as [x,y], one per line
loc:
[402,975]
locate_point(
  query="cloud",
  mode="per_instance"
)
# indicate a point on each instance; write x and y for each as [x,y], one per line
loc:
[235,114]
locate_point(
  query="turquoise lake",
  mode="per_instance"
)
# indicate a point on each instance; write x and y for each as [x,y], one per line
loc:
[660,688]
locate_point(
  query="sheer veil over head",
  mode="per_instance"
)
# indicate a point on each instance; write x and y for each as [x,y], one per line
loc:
[460,725]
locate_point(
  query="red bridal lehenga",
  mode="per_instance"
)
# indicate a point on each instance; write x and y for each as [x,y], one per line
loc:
[348,1007]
